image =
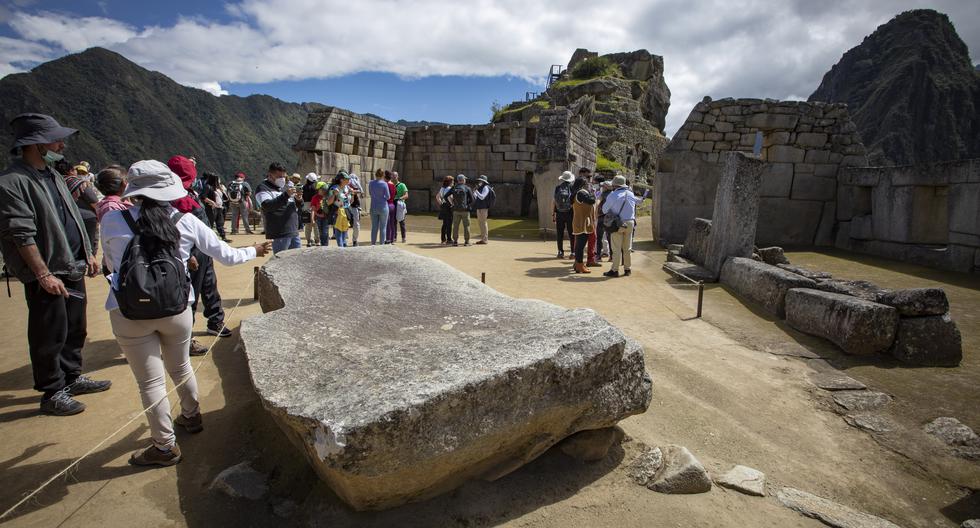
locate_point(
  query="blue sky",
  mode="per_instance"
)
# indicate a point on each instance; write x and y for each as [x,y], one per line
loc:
[448,60]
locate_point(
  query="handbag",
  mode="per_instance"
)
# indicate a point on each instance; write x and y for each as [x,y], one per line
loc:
[613,223]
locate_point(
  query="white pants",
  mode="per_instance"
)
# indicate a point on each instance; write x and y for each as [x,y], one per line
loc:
[151,347]
[620,242]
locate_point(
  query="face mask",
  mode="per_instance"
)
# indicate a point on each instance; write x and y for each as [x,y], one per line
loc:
[280,182]
[52,157]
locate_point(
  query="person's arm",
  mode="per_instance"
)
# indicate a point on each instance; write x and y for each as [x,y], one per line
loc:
[207,242]
[585,197]
[482,193]
[439,199]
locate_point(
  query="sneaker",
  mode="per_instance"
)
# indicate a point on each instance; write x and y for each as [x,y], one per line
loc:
[403,240]
[84,385]
[152,456]
[192,425]
[481,242]
[355,243]
[626,272]
[61,404]
[197,349]
[561,254]
[220,332]
[611,273]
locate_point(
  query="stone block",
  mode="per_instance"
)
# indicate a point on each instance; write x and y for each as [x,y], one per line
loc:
[811,139]
[862,228]
[714,136]
[386,420]
[857,326]
[724,127]
[773,255]
[695,135]
[825,230]
[817,156]
[736,211]
[916,302]
[777,180]
[775,138]
[785,154]
[703,146]
[690,270]
[761,283]
[825,170]
[931,341]
[773,121]
[809,187]
[964,208]
[696,244]
[785,222]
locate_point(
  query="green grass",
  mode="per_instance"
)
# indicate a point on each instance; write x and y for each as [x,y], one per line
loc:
[594,67]
[543,105]
[603,125]
[603,163]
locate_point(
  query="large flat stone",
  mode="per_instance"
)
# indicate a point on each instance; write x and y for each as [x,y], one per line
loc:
[761,283]
[829,512]
[857,326]
[696,243]
[736,211]
[408,377]
[744,479]
[930,341]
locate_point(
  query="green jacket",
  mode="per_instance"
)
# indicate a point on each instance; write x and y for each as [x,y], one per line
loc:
[28,217]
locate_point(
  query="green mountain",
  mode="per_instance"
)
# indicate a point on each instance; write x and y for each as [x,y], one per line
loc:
[126,113]
[911,90]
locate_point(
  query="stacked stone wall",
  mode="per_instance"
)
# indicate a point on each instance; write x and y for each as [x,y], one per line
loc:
[804,145]
[335,139]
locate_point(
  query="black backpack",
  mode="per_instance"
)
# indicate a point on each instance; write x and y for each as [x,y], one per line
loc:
[151,284]
[461,198]
[235,191]
[563,198]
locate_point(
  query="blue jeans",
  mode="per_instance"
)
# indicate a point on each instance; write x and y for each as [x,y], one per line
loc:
[286,242]
[341,237]
[379,224]
[324,228]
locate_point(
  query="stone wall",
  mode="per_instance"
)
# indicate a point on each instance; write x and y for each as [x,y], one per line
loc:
[805,144]
[928,214]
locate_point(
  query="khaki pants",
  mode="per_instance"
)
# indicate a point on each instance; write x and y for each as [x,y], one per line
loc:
[620,242]
[464,218]
[481,218]
[152,347]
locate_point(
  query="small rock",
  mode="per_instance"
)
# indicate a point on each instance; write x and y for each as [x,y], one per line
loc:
[916,302]
[677,248]
[773,255]
[972,523]
[957,435]
[835,381]
[241,481]
[592,445]
[870,422]
[829,512]
[861,400]
[680,473]
[744,479]
[644,468]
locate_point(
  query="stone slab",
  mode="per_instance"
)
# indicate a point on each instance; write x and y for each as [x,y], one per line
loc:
[696,242]
[692,271]
[857,326]
[806,272]
[773,255]
[736,211]
[744,479]
[835,381]
[916,302]
[761,283]
[417,404]
[861,400]
[829,512]
[930,341]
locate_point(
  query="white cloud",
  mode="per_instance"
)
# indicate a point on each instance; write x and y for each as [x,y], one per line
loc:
[214,88]
[739,48]
[15,53]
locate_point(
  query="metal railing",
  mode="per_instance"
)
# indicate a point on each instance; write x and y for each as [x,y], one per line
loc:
[698,283]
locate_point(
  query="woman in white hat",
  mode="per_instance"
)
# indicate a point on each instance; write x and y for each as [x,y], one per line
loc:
[153,345]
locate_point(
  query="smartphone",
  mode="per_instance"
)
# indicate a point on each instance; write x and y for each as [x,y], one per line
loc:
[75,293]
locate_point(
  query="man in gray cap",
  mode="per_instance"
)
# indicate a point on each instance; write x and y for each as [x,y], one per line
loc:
[46,247]
[461,198]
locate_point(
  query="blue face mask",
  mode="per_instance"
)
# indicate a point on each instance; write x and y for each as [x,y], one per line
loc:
[52,157]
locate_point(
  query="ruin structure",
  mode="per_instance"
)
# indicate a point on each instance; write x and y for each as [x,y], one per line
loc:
[521,160]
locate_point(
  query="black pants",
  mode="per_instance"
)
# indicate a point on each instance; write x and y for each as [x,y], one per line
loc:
[563,223]
[401,223]
[600,232]
[56,331]
[205,284]
[581,242]
[447,227]
[216,215]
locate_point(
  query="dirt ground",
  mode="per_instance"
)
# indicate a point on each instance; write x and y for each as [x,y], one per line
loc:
[728,386]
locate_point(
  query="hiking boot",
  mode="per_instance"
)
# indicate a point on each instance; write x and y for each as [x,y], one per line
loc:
[153,456]
[611,273]
[61,404]
[481,242]
[192,425]
[220,332]
[197,349]
[84,385]
[626,272]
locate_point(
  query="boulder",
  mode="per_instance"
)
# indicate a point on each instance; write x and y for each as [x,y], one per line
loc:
[680,473]
[773,255]
[857,326]
[829,512]
[808,273]
[931,341]
[461,382]
[591,445]
[696,243]
[744,479]
[916,302]
[957,435]
[736,211]
[761,283]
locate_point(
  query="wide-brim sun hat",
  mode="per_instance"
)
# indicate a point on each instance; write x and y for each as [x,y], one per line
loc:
[37,129]
[619,181]
[312,177]
[153,179]
[567,176]
[483,179]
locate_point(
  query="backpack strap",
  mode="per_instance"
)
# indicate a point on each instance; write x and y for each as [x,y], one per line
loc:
[133,226]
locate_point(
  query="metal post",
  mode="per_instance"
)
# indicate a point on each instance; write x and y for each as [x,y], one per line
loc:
[700,296]
[255,283]
[483,277]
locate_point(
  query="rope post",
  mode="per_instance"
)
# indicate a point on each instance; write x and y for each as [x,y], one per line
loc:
[700,296]
[483,277]
[255,284]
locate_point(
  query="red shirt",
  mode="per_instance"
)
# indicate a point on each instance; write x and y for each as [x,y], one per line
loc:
[315,204]
[391,187]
